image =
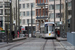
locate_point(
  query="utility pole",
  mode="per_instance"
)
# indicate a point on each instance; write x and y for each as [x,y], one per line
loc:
[40,20]
[73,18]
[60,18]
[66,24]
[31,22]
[18,17]
[28,27]
[16,20]
[54,17]
[10,21]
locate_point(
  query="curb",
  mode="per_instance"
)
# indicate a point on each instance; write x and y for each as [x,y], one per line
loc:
[17,39]
[14,40]
[61,39]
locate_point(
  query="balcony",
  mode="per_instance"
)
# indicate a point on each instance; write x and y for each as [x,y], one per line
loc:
[42,17]
[40,4]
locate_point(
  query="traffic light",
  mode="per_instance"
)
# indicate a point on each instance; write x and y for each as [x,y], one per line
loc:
[68,25]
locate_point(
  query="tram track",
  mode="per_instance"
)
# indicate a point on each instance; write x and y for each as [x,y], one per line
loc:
[60,45]
[16,44]
[54,45]
[19,44]
[44,45]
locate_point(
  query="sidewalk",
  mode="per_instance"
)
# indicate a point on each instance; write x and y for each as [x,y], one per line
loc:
[67,45]
[17,39]
[61,39]
[3,44]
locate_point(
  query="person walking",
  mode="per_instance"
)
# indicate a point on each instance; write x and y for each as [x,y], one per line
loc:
[58,32]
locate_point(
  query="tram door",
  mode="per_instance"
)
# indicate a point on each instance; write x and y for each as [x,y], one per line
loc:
[50,29]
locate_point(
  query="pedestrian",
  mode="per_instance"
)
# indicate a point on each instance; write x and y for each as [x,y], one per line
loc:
[58,32]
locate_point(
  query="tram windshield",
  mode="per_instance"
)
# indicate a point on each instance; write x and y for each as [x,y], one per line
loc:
[49,27]
[46,28]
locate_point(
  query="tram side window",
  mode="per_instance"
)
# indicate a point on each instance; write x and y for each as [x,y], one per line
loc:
[46,28]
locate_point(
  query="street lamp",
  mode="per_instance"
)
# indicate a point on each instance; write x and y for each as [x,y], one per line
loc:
[31,21]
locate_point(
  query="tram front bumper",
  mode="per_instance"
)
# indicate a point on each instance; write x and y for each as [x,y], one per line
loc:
[47,35]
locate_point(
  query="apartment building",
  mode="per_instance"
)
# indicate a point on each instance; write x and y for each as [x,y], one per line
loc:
[57,11]
[69,4]
[25,13]
[41,13]
[4,13]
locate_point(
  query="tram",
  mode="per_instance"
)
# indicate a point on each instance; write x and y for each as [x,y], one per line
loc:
[48,30]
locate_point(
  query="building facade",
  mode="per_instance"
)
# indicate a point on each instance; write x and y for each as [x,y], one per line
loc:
[4,13]
[41,13]
[69,3]
[25,13]
[57,11]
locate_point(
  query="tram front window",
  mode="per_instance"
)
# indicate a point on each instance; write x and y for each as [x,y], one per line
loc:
[51,27]
[46,28]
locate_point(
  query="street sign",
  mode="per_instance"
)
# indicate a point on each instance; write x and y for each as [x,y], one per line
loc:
[1,28]
[23,28]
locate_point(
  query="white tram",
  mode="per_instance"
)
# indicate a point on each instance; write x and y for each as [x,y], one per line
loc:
[48,30]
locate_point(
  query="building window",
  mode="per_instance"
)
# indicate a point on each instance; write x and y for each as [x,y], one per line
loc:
[58,6]
[7,4]
[33,20]
[1,11]
[33,13]
[51,0]
[27,5]
[43,12]
[69,4]
[7,12]
[19,0]
[20,6]
[23,21]
[27,13]
[40,1]
[46,1]
[7,19]
[27,21]
[1,5]
[20,21]
[58,15]
[1,18]
[37,12]
[36,1]
[32,4]
[51,7]
[23,5]
[20,13]
[43,1]
[23,13]
[69,12]
[52,15]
